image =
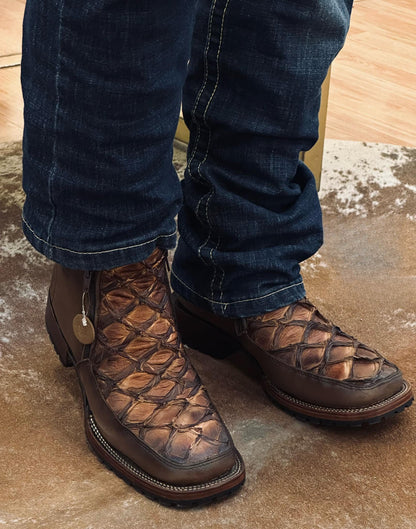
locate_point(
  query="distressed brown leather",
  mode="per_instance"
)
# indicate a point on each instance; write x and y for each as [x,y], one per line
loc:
[146,398]
[304,355]
[142,371]
[299,336]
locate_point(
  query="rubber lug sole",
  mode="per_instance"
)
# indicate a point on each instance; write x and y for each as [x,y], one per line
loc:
[173,495]
[348,417]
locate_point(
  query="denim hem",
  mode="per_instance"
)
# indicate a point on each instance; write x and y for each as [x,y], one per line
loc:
[243,308]
[100,259]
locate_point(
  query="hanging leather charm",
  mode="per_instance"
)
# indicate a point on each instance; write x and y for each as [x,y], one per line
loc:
[81,325]
[83,329]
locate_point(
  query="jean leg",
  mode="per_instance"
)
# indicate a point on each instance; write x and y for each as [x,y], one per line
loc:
[102,83]
[251,212]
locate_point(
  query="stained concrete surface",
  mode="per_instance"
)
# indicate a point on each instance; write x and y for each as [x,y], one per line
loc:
[298,475]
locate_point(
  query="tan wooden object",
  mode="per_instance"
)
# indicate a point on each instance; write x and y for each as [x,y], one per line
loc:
[313,157]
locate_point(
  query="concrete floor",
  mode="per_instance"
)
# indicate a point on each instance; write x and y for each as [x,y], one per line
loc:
[298,475]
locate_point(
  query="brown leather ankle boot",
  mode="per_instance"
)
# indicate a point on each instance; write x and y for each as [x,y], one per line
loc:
[147,416]
[311,368]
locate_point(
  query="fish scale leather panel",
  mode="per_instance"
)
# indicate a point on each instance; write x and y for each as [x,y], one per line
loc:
[142,371]
[299,336]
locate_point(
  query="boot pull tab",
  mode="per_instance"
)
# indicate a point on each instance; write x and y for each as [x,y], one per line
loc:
[82,326]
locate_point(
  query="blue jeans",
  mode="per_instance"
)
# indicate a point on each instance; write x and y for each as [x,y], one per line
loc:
[103,81]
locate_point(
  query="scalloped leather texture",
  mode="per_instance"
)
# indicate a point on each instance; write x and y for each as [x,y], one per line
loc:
[299,336]
[143,372]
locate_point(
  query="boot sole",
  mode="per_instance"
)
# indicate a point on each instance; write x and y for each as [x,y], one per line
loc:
[205,337]
[353,417]
[165,493]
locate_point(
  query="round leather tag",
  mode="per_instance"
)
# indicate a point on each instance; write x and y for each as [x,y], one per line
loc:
[83,329]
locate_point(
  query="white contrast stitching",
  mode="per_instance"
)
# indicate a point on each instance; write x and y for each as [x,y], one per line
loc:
[211,254]
[54,168]
[193,113]
[97,252]
[208,196]
[218,65]
[234,302]
[211,194]
[220,286]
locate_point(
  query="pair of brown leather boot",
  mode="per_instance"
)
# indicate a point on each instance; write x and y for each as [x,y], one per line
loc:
[148,416]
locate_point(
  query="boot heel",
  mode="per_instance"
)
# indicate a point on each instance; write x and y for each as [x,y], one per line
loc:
[201,335]
[56,336]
